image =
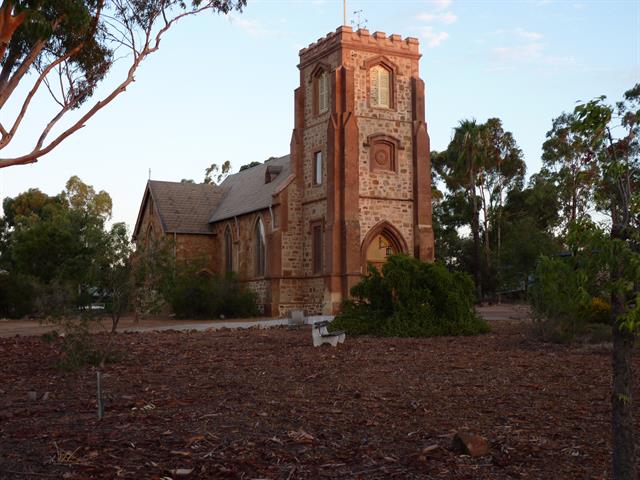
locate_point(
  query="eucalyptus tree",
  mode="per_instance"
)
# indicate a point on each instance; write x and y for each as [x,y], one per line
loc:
[529,218]
[67,48]
[610,139]
[568,158]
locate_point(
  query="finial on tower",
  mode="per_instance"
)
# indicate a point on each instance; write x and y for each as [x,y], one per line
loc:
[344,13]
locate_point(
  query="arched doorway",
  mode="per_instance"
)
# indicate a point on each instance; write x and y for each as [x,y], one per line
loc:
[381,242]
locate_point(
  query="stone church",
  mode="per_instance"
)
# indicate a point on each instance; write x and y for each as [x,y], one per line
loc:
[355,187]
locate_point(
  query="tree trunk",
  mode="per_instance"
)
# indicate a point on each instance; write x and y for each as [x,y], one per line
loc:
[499,249]
[624,457]
[623,441]
[487,243]
[475,228]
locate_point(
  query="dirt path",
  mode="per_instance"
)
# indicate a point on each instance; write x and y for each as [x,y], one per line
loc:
[11,328]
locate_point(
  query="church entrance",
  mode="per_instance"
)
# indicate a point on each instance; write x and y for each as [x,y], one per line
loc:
[379,249]
[380,243]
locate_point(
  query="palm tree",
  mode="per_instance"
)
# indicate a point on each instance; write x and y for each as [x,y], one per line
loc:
[464,164]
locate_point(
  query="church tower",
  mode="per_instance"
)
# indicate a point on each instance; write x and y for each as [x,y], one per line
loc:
[360,156]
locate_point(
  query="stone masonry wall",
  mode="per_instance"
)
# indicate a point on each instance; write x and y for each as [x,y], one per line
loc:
[196,248]
[385,195]
[292,241]
[149,218]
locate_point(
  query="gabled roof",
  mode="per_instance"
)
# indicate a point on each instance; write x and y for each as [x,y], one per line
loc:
[247,191]
[182,207]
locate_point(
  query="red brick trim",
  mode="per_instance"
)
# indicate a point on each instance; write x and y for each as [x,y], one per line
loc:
[422,228]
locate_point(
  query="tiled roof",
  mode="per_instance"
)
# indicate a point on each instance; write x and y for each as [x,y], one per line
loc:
[246,191]
[185,207]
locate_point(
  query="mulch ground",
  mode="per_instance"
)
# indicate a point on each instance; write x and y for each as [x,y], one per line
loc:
[266,404]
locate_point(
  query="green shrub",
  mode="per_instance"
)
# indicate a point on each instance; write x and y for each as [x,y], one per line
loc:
[17,293]
[196,294]
[598,311]
[79,347]
[411,299]
[558,298]
[566,302]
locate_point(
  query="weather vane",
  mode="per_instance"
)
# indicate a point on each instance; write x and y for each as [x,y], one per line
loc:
[359,22]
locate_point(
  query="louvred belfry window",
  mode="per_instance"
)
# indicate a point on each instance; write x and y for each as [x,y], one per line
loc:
[380,87]
[323,92]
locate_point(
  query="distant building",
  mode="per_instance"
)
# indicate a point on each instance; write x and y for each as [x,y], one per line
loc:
[355,188]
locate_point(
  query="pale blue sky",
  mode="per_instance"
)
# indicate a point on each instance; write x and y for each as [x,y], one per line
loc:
[222,88]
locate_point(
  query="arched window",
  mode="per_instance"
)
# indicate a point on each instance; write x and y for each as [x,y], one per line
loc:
[150,237]
[382,241]
[321,92]
[380,87]
[228,251]
[259,248]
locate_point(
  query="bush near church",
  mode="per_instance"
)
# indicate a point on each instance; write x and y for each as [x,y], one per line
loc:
[192,292]
[411,299]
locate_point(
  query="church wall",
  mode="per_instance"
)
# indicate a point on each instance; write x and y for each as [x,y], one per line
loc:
[399,214]
[197,248]
[385,195]
[302,294]
[354,195]
[299,289]
[244,255]
[149,218]
[292,244]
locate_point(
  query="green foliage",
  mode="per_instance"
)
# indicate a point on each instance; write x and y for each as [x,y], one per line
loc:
[112,273]
[152,267]
[79,347]
[569,296]
[558,296]
[60,257]
[566,161]
[249,165]
[449,215]
[73,44]
[195,293]
[17,294]
[411,299]
[481,165]
[216,174]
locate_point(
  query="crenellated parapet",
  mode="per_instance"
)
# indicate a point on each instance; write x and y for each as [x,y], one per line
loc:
[361,39]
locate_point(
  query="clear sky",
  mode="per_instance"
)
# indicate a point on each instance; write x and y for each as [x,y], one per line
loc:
[221,88]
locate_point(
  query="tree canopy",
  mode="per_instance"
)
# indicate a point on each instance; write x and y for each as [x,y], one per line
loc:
[68,48]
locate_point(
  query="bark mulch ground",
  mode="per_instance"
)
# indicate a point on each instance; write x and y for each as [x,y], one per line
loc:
[266,404]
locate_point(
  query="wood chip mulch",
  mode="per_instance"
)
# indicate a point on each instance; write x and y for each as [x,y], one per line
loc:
[266,404]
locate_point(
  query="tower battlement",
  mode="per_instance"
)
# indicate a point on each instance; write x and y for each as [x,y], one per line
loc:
[361,39]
